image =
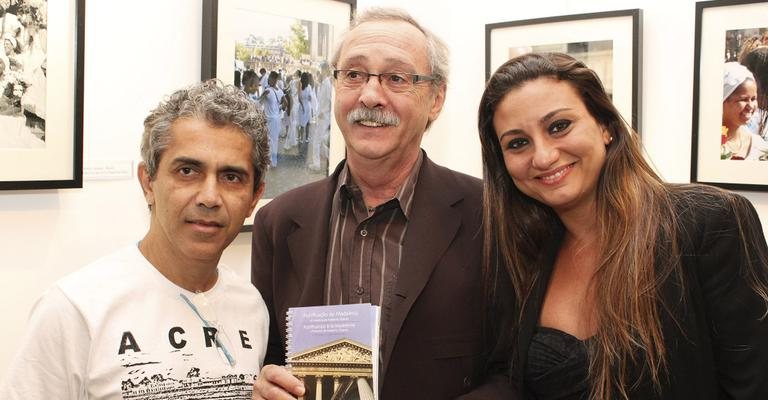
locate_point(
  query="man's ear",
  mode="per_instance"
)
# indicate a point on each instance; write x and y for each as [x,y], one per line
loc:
[256,197]
[438,102]
[146,184]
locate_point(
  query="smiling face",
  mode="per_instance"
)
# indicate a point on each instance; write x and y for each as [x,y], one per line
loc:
[740,105]
[381,47]
[201,193]
[553,149]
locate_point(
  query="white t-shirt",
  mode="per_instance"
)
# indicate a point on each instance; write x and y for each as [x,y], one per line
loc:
[118,329]
[271,102]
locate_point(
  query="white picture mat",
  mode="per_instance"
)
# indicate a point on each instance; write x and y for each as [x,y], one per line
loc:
[55,160]
[617,29]
[715,21]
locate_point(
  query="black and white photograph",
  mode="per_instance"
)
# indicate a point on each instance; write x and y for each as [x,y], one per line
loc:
[24,33]
[41,134]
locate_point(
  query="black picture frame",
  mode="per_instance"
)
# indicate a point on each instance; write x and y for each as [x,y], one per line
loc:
[220,21]
[714,20]
[622,28]
[58,164]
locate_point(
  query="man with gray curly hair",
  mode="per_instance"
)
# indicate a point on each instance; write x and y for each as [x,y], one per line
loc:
[162,316]
[388,227]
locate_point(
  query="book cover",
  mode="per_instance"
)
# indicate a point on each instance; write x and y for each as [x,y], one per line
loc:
[335,350]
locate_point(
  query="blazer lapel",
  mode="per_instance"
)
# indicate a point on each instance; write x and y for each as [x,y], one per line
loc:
[308,243]
[431,227]
[532,306]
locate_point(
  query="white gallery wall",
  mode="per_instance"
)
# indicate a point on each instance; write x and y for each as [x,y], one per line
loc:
[137,51]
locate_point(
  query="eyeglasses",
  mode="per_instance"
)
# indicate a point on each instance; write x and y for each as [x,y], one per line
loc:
[204,310]
[396,82]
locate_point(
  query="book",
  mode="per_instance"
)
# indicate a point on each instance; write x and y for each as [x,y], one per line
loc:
[334,350]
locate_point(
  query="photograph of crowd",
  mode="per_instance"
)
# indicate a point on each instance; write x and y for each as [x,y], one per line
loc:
[23,30]
[744,130]
[282,64]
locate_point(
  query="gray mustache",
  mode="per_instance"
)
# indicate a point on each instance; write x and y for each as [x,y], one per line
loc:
[373,115]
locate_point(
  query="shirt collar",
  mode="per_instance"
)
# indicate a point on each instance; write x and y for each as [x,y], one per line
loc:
[346,187]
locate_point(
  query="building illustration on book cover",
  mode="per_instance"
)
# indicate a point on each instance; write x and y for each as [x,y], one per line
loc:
[331,349]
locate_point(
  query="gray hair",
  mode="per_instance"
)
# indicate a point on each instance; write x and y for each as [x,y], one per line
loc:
[437,51]
[219,105]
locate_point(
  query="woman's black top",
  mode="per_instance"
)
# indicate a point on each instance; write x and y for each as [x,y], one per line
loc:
[557,366]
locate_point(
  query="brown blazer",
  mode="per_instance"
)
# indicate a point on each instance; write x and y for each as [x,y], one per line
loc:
[435,344]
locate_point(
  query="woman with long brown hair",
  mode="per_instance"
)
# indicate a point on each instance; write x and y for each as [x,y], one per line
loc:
[624,286]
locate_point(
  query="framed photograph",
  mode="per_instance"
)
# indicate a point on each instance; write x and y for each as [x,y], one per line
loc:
[279,54]
[41,94]
[607,42]
[729,146]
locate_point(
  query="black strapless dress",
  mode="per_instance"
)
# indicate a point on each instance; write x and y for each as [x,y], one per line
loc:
[557,366]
